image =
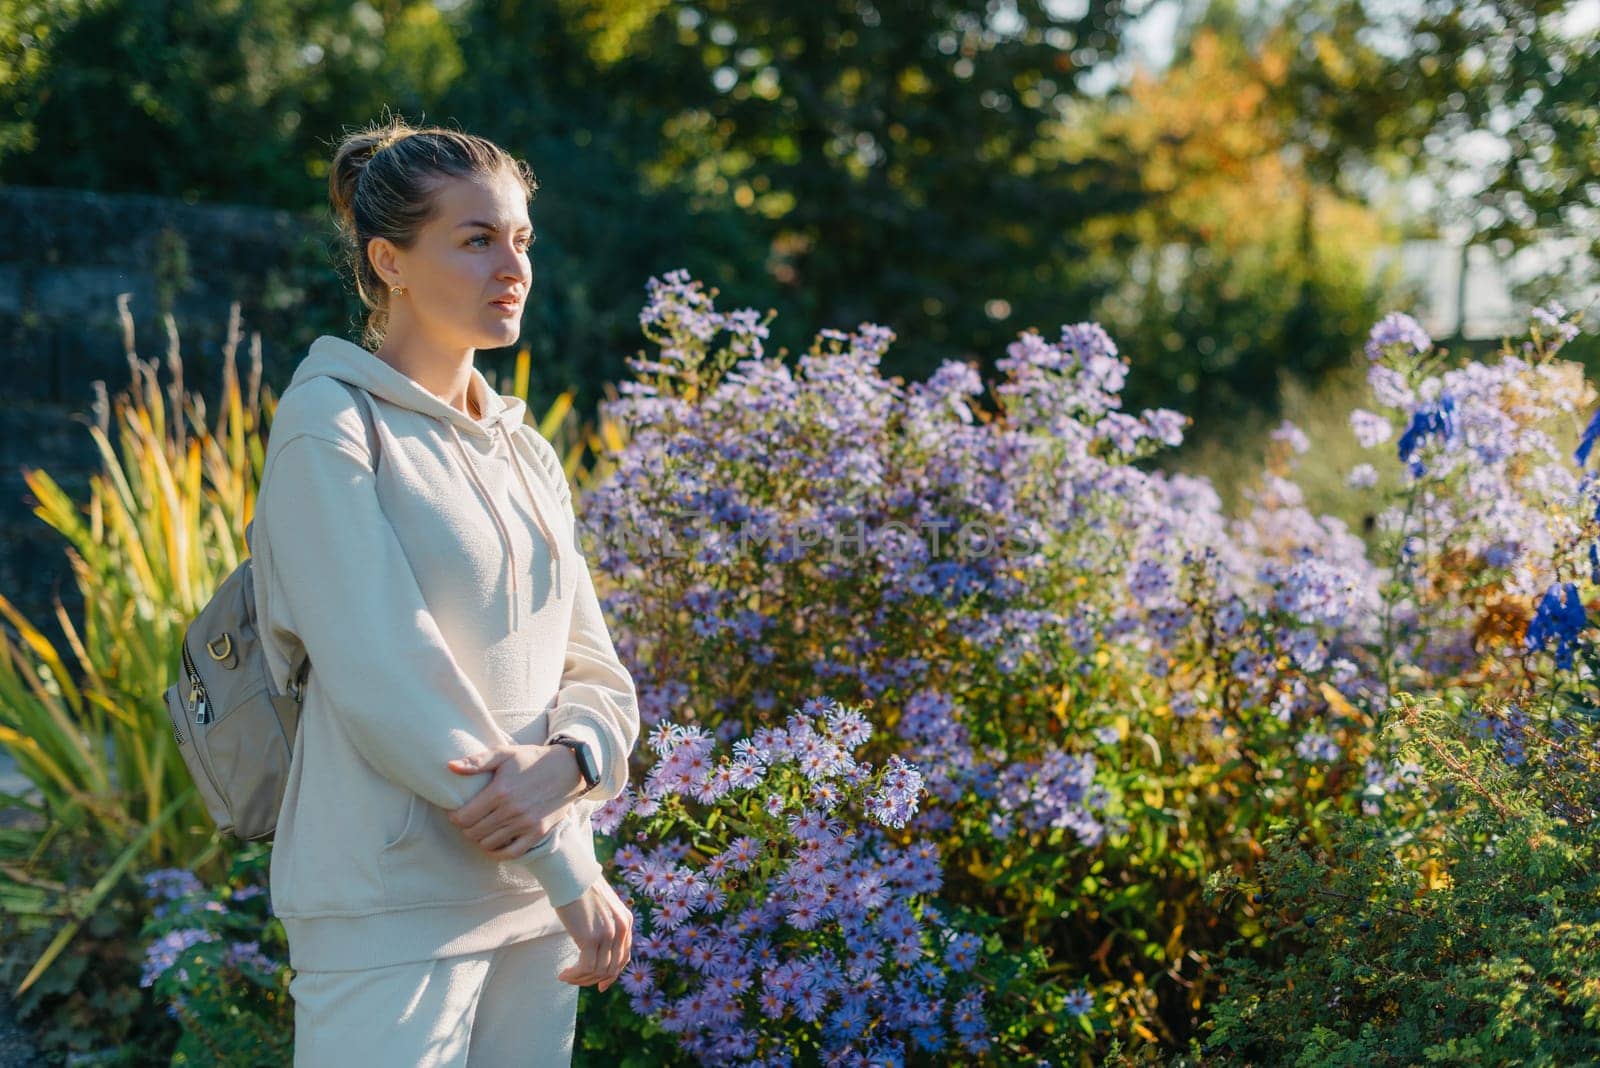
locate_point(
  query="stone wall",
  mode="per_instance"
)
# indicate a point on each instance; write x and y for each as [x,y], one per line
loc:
[65,255]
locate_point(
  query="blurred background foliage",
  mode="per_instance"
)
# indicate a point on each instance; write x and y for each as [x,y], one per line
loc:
[1222,184]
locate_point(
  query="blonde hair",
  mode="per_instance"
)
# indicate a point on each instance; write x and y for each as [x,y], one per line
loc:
[382,184]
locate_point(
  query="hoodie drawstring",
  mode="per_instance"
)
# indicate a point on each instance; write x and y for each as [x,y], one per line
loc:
[533,503]
[499,520]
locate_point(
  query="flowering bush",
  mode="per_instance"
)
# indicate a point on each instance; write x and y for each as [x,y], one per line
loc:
[781,913]
[1108,685]
[1492,519]
[1465,931]
[215,957]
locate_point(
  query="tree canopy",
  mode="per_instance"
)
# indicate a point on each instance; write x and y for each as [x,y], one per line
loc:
[955,170]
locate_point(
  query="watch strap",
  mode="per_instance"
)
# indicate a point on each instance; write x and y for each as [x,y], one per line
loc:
[580,750]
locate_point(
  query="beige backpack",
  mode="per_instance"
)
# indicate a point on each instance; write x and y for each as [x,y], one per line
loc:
[236,733]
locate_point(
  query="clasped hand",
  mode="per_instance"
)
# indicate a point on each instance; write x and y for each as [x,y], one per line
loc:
[524,802]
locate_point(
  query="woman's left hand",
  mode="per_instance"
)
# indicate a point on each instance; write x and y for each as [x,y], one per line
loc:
[532,788]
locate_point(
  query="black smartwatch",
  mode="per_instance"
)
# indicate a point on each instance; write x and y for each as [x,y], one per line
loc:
[586,764]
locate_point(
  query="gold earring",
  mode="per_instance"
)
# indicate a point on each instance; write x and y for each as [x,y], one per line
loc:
[397,290]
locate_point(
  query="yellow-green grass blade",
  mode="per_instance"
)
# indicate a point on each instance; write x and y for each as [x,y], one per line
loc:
[99,892]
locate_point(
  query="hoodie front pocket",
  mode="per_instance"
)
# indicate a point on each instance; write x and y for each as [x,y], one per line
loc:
[413,802]
[434,863]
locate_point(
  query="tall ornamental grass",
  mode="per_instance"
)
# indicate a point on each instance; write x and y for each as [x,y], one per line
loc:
[161,527]
[155,535]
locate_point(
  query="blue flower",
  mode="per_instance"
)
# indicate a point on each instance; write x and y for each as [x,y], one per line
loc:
[1437,420]
[1590,433]
[163,953]
[962,952]
[848,1021]
[1560,617]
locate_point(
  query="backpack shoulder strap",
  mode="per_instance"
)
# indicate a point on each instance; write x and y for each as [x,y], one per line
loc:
[368,420]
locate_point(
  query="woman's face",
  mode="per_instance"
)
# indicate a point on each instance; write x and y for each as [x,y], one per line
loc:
[470,254]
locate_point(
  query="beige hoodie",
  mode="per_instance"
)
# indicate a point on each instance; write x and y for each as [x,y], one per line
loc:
[446,608]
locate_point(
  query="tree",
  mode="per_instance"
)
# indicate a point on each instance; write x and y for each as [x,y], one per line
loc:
[887,154]
[538,86]
[1492,102]
[1241,265]
[218,102]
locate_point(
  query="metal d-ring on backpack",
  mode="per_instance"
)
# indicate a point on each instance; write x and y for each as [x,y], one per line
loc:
[235,732]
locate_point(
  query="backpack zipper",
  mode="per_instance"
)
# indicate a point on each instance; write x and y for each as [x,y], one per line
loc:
[199,707]
[201,710]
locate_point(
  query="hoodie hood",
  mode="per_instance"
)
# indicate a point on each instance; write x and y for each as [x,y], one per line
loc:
[334,357]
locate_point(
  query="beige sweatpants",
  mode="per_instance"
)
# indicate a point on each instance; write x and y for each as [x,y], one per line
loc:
[503,1008]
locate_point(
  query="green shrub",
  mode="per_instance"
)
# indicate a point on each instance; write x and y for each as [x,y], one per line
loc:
[86,1008]
[1470,937]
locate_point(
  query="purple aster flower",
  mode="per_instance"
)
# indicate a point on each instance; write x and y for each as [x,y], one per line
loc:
[962,952]
[164,952]
[1397,329]
[1362,476]
[1292,436]
[1371,429]
[1389,387]
[1086,340]
[248,955]
[638,976]
[1165,425]
[1317,747]
[1151,583]
[1122,430]
[171,883]
[969,1022]
[1553,317]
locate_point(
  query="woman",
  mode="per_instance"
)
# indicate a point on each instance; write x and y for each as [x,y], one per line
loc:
[434,863]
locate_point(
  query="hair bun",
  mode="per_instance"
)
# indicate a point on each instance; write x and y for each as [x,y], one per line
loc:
[350,162]
[389,137]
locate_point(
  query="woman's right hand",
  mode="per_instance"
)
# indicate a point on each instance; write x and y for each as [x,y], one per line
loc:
[603,928]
